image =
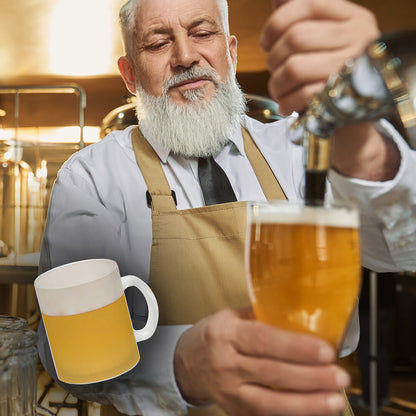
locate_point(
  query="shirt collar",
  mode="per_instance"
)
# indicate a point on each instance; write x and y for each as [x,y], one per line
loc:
[237,138]
[163,153]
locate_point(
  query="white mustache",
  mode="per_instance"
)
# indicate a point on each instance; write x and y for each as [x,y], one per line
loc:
[190,74]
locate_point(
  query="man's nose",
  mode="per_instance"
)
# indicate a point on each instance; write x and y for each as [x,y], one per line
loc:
[185,53]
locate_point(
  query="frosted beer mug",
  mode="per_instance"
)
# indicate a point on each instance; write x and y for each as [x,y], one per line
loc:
[87,320]
[303,266]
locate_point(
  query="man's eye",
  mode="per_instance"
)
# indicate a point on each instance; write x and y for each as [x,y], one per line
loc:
[157,46]
[203,34]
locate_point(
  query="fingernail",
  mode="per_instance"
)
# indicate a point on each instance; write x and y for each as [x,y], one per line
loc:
[336,403]
[326,353]
[343,379]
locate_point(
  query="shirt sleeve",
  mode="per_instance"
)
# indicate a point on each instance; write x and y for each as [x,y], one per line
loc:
[388,211]
[80,227]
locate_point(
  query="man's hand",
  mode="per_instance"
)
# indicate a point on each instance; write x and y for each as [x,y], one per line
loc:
[233,361]
[309,40]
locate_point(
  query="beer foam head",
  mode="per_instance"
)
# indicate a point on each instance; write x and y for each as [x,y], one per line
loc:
[78,287]
[284,212]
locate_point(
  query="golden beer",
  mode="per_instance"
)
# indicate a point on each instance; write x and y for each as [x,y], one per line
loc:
[87,320]
[95,345]
[304,267]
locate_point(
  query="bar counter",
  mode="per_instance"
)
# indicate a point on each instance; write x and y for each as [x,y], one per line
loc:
[53,400]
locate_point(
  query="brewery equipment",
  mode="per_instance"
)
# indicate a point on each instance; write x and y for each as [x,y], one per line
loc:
[23,193]
[380,83]
[21,205]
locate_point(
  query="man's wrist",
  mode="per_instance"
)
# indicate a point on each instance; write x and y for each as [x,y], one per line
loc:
[362,152]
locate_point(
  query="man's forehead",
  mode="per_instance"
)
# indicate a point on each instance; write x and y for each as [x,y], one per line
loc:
[166,12]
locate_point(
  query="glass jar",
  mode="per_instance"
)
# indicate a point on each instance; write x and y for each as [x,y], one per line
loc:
[18,372]
[12,322]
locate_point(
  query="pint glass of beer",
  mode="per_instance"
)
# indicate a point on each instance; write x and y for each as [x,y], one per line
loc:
[87,321]
[303,266]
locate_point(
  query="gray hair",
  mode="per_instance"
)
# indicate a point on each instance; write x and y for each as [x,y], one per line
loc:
[127,17]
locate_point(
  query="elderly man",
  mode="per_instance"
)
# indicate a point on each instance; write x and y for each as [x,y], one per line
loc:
[137,197]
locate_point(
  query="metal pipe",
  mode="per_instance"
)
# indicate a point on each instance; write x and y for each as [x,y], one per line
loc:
[63,89]
[379,83]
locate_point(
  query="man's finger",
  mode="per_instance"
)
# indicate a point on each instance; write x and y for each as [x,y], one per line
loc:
[277,3]
[292,11]
[276,402]
[261,340]
[294,377]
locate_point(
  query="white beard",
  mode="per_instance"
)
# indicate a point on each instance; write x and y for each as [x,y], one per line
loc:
[196,129]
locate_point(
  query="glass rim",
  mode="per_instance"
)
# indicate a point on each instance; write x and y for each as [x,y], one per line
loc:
[54,274]
[330,213]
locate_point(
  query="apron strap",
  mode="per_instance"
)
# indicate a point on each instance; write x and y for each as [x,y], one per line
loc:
[158,186]
[268,181]
[149,164]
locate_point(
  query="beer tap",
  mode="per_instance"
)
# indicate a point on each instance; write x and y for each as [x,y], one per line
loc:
[379,83]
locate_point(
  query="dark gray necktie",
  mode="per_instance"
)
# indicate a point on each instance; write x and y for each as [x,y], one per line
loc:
[215,185]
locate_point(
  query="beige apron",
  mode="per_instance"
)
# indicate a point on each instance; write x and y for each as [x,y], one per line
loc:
[197,258]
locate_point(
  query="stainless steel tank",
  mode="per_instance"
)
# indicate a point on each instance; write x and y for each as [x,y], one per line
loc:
[22,208]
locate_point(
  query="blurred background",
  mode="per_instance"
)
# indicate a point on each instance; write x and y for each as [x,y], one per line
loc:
[78,41]
[60,90]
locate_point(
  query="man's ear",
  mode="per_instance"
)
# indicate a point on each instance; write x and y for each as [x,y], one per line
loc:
[232,46]
[127,73]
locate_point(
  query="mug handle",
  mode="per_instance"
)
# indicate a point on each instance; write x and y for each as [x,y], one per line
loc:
[153,309]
